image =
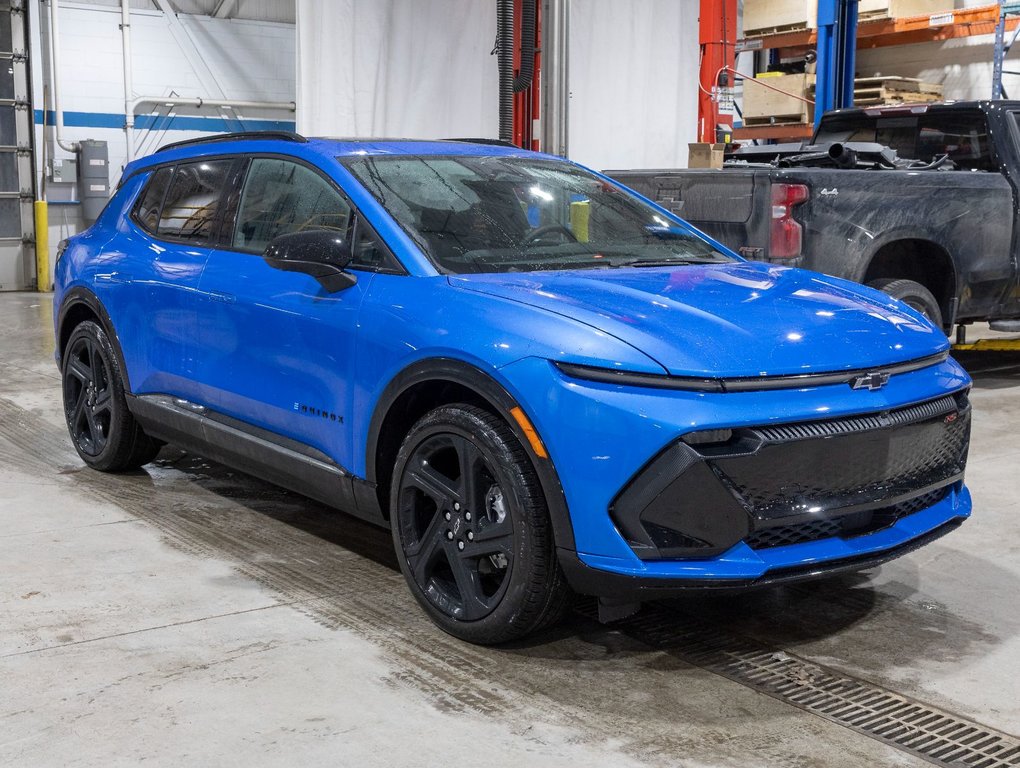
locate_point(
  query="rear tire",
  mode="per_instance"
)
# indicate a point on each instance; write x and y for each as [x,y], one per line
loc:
[914,295]
[102,429]
[471,528]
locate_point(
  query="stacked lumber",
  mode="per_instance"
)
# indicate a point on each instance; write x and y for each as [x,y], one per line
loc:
[882,91]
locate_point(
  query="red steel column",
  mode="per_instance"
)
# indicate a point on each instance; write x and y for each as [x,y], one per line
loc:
[717,35]
[526,103]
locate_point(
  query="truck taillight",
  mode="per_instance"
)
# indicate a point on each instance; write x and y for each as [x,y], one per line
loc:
[787,234]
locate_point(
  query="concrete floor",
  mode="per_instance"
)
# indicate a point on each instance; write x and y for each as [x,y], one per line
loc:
[189,615]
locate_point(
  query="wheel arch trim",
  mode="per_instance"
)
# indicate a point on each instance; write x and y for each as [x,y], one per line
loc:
[80,295]
[451,370]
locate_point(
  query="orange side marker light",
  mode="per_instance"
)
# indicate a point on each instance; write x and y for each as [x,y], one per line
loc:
[529,432]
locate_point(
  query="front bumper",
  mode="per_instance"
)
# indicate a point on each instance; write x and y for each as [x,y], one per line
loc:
[617,433]
[777,485]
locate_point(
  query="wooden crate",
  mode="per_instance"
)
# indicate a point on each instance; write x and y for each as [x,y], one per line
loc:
[762,17]
[763,106]
[901,9]
[871,91]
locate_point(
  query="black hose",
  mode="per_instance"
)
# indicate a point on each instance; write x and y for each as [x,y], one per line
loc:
[505,59]
[527,71]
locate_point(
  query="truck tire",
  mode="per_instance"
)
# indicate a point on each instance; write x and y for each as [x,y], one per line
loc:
[914,295]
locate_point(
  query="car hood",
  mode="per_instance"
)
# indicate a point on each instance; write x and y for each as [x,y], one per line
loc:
[740,319]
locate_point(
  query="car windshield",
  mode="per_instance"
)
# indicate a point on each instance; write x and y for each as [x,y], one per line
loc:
[513,214]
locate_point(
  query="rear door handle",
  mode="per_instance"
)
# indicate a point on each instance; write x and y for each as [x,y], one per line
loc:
[226,298]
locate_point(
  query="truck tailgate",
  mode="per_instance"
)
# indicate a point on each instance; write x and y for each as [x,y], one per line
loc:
[699,195]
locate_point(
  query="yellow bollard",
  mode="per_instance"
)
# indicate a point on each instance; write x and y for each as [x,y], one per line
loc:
[42,247]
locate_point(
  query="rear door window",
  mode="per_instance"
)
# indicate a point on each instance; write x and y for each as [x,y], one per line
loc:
[281,197]
[192,205]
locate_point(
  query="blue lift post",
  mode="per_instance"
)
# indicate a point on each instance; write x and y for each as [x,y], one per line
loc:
[837,48]
[1002,48]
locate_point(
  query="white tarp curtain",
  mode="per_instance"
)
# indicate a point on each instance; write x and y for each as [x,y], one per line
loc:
[400,68]
[633,82]
[421,68]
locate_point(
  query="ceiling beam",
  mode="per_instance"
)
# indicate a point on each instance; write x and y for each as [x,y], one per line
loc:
[224,8]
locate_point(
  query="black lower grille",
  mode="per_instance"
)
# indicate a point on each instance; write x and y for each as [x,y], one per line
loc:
[782,535]
[823,466]
[856,524]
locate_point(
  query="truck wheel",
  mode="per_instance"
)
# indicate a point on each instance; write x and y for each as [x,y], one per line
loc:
[914,295]
[103,431]
[471,528]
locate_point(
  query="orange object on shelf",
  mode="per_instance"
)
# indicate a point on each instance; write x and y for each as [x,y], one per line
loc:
[792,131]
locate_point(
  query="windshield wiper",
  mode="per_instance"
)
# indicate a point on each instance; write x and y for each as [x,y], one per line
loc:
[678,262]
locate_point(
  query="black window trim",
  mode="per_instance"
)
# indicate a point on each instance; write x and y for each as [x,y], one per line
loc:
[235,184]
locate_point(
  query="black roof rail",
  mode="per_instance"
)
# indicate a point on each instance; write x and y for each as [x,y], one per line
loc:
[238,136]
[495,142]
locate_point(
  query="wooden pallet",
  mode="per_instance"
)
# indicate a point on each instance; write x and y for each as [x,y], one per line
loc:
[779,29]
[870,91]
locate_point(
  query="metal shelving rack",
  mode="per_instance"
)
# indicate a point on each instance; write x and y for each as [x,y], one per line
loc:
[834,39]
[1007,12]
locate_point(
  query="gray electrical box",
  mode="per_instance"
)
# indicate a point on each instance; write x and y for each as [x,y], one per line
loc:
[65,171]
[93,177]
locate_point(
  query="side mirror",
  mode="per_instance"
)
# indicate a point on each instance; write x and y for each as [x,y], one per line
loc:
[320,253]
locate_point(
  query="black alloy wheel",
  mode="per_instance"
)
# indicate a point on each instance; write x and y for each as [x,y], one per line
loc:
[88,396]
[102,429]
[471,528]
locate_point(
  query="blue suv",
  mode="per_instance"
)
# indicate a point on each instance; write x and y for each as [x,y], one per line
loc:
[541,382]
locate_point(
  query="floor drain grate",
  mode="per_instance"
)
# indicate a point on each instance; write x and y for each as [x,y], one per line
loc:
[937,736]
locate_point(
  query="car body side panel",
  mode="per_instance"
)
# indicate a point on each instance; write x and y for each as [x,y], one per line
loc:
[149,290]
[279,351]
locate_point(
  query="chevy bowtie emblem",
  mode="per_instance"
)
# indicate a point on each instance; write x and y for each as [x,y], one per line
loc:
[872,381]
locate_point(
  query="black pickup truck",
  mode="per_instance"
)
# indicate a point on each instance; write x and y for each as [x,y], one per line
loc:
[920,201]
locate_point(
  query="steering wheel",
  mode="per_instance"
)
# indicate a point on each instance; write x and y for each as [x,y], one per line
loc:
[537,234]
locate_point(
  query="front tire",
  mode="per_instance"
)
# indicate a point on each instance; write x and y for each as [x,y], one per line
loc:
[471,528]
[102,429]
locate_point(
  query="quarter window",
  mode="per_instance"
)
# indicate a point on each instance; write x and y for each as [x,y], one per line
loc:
[191,208]
[147,212]
[281,197]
